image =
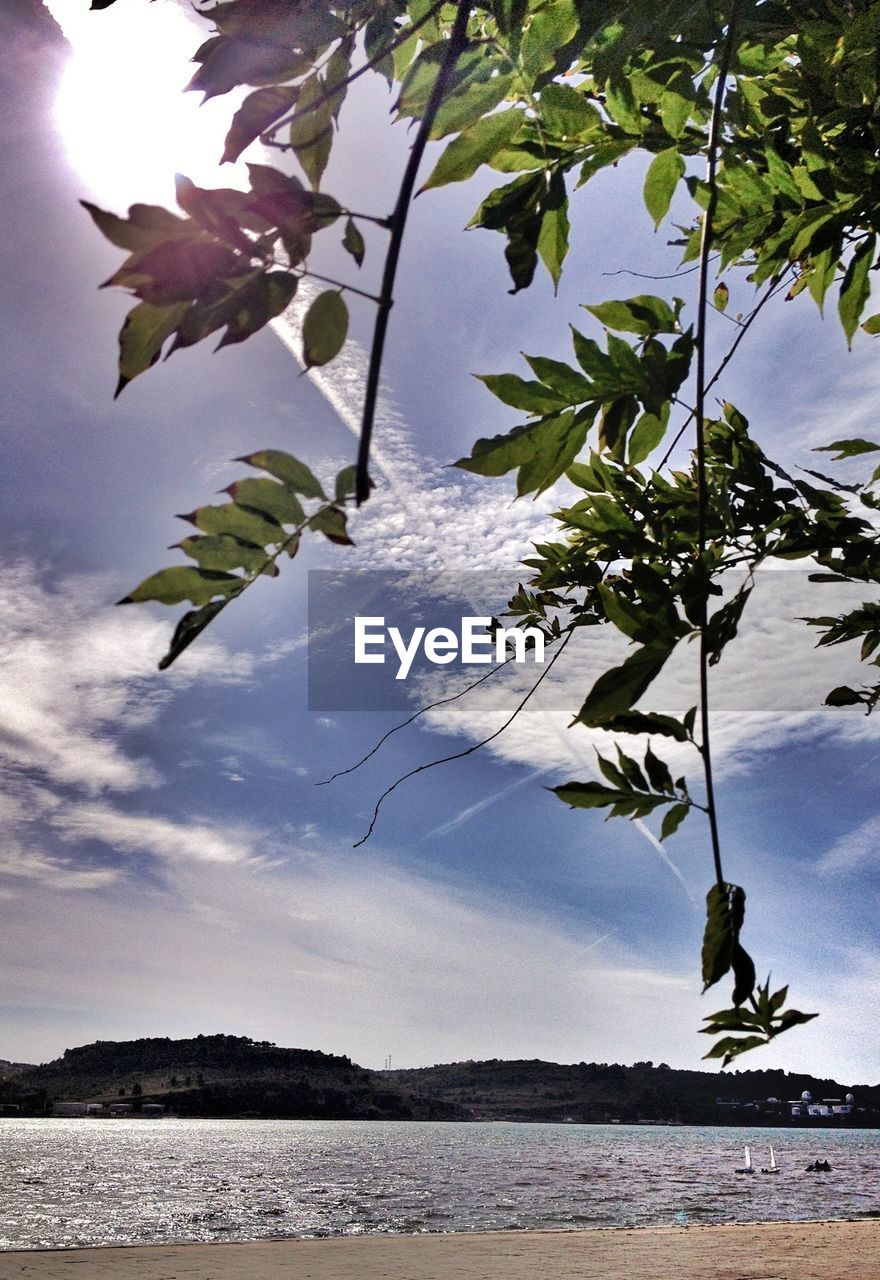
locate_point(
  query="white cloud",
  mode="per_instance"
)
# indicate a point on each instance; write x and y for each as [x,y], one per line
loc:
[854,851]
[77,673]
[52,873]
[170,841]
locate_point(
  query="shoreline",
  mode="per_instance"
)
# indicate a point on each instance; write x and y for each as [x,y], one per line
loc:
[825,1249]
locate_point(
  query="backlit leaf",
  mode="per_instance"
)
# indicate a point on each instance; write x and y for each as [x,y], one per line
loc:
[230,518]
[325,328]
[664,173]
[474,147]
[287,468]
[855,290]
[182,582]
[332,523]
[672,820]
[142,336]
[276,499]
[353,242]
[255,115]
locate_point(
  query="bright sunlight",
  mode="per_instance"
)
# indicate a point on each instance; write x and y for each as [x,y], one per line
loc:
[126,125]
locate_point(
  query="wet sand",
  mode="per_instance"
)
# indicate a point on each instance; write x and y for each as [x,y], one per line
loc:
[765,1251]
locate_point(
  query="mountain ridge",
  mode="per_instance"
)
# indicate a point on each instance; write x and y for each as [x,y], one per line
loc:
[226,1076]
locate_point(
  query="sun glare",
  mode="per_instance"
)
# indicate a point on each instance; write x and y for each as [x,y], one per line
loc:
[126,125]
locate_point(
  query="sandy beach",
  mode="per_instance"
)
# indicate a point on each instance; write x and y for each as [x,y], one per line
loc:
[766,1251]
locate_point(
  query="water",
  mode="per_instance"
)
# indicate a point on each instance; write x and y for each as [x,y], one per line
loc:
[89,1182]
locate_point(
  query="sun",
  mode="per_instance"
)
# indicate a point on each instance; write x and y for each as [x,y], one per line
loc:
[127,126]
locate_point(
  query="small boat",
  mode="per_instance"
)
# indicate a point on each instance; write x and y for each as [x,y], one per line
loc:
[774,1167]
[747,1162]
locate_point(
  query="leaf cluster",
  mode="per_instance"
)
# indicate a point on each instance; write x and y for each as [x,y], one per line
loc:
[243,539]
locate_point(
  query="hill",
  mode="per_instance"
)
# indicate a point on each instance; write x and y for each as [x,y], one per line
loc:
[601,1092]
[219,1076]
[231,1076]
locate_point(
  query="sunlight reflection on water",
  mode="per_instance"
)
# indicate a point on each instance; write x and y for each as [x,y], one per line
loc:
[86,1182]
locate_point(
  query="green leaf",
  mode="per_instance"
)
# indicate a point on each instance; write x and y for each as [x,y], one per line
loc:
[331,522]
[468,104]
[278,500]
[872,324]
[561,378]
[182,582]
[311,129]
[254,116]
[618,688]
[287,468]
[474,147]
[843,696]
[672,820]
[593,795]
[663,176]
[346,482]
[647,722]
[566,113]
[731,1047]
[533,397]
[721,297]
[847,448]
[230,518]
[190,626]
[324,329]
[644,315]
[628,617]
[541,450]
[646,435]
[353,242]
[225,551]
[553,237]
[549,29]
[142,336]
[146,226]
[658,773]
[725,912]
[855,290]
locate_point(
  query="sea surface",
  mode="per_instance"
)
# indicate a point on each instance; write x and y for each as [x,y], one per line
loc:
[95,1182]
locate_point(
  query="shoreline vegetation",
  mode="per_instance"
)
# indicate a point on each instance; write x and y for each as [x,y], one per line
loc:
[228,1077]
[824,1250]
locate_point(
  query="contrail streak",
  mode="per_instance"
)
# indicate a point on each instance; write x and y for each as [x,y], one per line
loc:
[472,810]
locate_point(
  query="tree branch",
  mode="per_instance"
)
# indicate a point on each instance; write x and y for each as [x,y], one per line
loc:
[699,414]
[454,48]
[469,751]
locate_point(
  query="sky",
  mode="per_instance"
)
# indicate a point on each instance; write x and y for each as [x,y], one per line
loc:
[168,865]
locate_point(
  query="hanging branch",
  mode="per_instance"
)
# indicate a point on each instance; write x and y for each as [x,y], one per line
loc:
[468,751]
[699,414]
[454,48]
[431,706]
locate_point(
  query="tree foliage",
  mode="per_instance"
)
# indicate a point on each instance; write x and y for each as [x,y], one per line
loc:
[764,113]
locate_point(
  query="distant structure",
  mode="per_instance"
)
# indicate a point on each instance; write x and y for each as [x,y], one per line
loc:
[387,1066]
[826,1108]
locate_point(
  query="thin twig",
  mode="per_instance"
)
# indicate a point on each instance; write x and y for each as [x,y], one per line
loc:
[771,291]
[349,288]
[460,755]
[455,46]
[647,275]
[404,723]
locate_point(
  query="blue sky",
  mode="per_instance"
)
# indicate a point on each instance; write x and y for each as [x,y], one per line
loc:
[168,865]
